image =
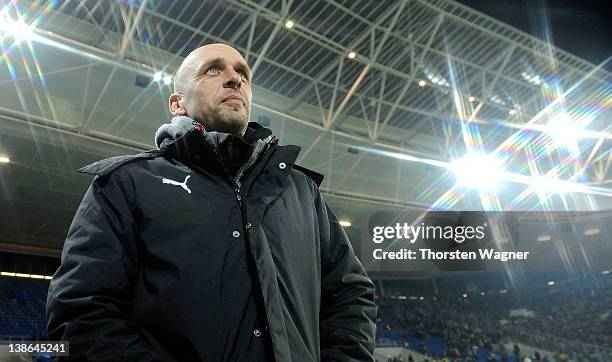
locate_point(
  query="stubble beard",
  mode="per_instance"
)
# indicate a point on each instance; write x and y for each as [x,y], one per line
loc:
[234,124]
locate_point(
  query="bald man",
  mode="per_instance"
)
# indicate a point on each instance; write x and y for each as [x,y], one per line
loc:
[213,247]
[220,102]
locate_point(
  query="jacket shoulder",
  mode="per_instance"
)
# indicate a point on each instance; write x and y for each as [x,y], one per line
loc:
[107,165]
[314,176]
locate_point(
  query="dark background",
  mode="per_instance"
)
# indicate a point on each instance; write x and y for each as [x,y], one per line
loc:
[581,27]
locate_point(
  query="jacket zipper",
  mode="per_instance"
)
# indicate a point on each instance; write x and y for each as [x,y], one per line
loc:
[246,226]
[259,297]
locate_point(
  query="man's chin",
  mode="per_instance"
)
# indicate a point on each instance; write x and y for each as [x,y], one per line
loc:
[232,122]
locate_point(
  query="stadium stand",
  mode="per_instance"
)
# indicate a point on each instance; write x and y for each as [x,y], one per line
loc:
[461,317]
[22,308]
[564,320]
[23,295]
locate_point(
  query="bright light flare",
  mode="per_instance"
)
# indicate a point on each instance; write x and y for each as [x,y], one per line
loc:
[565,131]
[18,29]
[167,79]
[4,159]
[550,184]
[477,170]
[158,76]
[352,55]
[289,24]
[422,83]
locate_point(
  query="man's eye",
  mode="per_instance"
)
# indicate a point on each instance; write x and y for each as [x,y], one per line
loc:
[212,70]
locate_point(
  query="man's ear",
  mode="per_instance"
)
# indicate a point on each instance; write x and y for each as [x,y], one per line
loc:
[176,105]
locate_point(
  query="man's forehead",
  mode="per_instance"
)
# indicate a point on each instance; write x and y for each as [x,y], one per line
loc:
[215,51]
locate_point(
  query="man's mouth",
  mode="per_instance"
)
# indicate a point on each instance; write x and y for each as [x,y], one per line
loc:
[233,98]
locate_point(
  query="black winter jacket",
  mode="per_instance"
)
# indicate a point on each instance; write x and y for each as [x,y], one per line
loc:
[131,285]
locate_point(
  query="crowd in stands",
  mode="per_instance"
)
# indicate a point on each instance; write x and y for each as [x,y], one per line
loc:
[22,308]
[566,321]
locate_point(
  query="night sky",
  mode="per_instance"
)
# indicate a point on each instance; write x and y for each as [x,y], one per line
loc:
[581,27]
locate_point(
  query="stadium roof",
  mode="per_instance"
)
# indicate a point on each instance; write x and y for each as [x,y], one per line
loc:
[381,95]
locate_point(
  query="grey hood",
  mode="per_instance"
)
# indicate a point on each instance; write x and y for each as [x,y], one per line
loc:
[177,127]
[257,137]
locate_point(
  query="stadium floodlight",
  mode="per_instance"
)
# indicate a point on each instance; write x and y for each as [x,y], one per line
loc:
[604,272]
[477,170]
[464,295]
[471,98]
[551,283]
[531,78]
[591,231]
[167,79]
[22,275]
[158,76]
[422,83]
[434,76]
[18,29]
[352,55]
[289,24]
[498,100]
[345,223]
[564,130]
[544,237]
[4,159]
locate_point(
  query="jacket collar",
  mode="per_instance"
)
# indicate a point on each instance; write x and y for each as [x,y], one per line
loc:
[214,150]
[179,126]
[195,146]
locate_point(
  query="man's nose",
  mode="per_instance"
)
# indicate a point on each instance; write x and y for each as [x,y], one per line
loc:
[233,79]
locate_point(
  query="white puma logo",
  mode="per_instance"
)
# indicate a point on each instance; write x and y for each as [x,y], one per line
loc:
[181,184]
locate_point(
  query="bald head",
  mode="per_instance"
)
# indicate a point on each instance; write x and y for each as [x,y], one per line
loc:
[213,86]
[190,64]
